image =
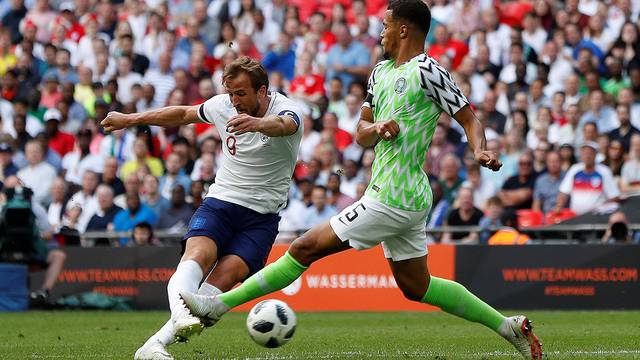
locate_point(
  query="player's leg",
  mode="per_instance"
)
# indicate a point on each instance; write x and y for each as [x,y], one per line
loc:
[413,278]
[228,271]
[315,244]
[351,228]
[200,253]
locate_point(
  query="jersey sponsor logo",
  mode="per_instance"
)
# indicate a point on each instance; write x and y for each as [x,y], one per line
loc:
[264,138]
[400,86]
[291,114]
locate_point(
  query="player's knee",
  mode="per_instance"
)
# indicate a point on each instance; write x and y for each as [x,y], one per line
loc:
[304,249]
[412,294]
[200,250]
[411,290]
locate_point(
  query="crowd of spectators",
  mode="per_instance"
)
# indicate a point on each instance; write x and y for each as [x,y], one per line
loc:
[557,84]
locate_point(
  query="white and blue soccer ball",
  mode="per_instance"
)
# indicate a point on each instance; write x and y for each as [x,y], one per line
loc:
[271,323]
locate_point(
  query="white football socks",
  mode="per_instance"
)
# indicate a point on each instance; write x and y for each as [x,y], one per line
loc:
[166,334]
[186,279]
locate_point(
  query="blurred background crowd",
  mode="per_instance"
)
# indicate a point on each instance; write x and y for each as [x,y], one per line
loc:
[557,84]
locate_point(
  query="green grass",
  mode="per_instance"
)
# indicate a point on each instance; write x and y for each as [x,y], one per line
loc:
[116,335]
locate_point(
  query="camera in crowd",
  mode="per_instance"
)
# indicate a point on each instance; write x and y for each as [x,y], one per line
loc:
[18,230]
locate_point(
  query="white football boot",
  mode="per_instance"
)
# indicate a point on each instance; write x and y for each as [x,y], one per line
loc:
[519,332]
[208,308]
[185,325]
[152,350]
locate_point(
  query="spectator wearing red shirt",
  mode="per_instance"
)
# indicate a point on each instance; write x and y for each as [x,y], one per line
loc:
[453,49]
[306,85]
[246,47]
[60,142]
[342,138]
[318,26]
[68,19]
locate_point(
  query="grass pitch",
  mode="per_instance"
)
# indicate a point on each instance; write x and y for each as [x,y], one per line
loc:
[116,335]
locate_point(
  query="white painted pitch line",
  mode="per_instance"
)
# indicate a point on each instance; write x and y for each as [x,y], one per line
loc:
[372,355]
[363,355]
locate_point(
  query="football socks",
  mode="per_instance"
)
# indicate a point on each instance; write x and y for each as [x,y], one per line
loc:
[455,299]
[274,276]
[186,278]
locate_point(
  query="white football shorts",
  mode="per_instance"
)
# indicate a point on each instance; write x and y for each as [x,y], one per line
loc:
[368,222]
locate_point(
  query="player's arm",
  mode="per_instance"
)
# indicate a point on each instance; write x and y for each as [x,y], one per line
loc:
[368,132]
[477,141]
[284,124]
[170,116]
[438,84]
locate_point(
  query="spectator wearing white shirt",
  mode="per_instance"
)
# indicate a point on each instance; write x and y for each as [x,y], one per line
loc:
[498,37]
[441,11]
[56,207]
[509,74]
[588,184]
[172,176]
[80,160]
[86,199]
[533,34]
[572,89]
[479,85]
[126,79]
[310,139]
[570,133]
[153,45]
[265,34]
[559,68]
[349,122]
[598,33]
[161,78]
[38,175]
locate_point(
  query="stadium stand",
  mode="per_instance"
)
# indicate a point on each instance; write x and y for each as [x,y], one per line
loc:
[542,77]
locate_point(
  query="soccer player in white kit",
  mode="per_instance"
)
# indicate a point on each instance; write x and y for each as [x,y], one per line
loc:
[237,223]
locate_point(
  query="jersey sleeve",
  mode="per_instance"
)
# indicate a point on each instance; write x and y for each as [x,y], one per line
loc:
[368,101]
[290,109]
[206,110]
[440,87]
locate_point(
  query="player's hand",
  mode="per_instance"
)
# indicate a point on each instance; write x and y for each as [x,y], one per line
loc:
[115,121]
[387,130]
[489,159]
[243,123]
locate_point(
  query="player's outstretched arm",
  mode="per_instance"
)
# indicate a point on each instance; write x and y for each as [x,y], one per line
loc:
[270,125]
[475,135]
[169,116]
[368,132]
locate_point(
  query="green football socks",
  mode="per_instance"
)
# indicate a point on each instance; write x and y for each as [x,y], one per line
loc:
[274,276]
[455,299]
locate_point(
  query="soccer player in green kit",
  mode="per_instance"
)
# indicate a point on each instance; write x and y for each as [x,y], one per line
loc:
[406,95]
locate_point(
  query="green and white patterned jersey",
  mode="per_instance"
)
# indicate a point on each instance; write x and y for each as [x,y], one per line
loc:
[414,95]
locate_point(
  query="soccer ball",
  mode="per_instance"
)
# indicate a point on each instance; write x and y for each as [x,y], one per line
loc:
[271,323]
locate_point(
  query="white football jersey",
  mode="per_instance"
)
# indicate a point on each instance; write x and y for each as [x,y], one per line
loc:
[257,169]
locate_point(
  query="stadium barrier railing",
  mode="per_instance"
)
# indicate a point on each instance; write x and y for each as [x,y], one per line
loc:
[541,235]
